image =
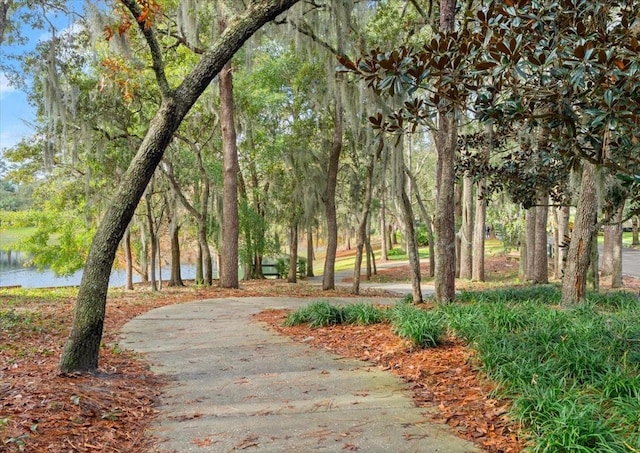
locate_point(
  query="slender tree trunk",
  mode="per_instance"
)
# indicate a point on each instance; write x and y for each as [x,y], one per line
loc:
[174,233]
[574,283]
[81,350]
[606,262]
[310,249]
[426,218]
[530,243]
[143,256]
[384,247]
[541,262]
[634,231]
[328,278]
[616,269]
[563,234]
[293,252]
[152,241]
[230,224]
[364,222]
[466,229]
[128,256]
[406,211]
[480,223]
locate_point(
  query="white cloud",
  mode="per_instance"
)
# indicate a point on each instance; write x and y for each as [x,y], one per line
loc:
[5,87]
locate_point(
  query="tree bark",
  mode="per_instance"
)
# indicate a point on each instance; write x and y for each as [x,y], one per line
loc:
[541,261]
[152,241]
[634,231]
[563,235]
[616,268]
[293,252]
[383,226]
[364,222]
[530,243]
[310,249]
[466,229]
[480,222]
[230,224]
[444,222]
[128,256]
[574,283]
[328,278]
[82,347]
[174,232]
[426,218]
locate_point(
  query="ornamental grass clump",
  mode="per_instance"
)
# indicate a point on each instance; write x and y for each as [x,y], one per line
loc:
[424,328]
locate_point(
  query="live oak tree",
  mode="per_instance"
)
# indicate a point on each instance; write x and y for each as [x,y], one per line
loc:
[81,350]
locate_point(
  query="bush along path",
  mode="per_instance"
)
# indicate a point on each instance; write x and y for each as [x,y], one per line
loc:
[553,379]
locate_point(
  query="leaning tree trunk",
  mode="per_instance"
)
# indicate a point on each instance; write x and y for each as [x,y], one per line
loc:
[574,283]
[328,278]
[82,347]
[424,215]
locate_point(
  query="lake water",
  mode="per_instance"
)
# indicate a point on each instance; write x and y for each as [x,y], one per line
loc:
[13,273]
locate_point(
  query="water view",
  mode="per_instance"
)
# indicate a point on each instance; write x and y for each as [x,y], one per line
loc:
[14,272]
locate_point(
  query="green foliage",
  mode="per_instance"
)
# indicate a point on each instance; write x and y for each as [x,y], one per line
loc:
[316,314]
[362,314]
[572,374]
[425,328]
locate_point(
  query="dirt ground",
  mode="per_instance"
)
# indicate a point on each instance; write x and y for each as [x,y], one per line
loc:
[44,411]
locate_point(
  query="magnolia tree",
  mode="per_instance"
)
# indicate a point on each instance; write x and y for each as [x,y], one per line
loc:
[568,68]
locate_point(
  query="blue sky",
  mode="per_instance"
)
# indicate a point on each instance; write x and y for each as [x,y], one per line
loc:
[15,112]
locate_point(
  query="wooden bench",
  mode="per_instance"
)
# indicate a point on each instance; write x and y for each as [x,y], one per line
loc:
[270,270]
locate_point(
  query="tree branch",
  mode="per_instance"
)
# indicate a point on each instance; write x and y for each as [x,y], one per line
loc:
[154,46]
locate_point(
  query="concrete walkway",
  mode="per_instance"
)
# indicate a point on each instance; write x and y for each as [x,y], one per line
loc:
[236,386]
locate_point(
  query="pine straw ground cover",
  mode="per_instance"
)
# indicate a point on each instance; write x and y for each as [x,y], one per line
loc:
[42,411]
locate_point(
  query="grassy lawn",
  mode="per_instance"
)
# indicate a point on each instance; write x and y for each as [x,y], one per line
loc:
[9,238]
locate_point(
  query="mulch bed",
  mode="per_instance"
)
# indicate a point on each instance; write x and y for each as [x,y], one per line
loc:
[109,411]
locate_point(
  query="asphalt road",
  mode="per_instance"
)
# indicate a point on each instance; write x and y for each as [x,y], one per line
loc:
[631,262]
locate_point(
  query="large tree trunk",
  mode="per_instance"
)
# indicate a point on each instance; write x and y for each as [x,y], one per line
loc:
[328,278]
[466,229]
[230,223]
[444,222]
[541,262]
[574,283]
[82,347]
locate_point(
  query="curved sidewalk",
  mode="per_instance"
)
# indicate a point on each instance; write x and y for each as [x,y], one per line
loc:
[236,386]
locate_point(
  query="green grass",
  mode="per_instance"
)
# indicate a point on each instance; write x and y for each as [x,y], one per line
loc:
[572,374]
[10,238]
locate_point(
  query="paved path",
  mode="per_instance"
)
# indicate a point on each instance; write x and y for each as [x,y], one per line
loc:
[631,262]
[236,386]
